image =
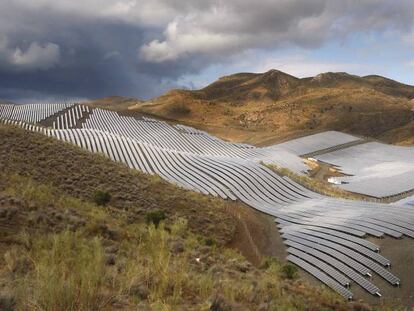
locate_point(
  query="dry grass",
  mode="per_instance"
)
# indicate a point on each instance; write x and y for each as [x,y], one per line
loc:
[155,267]
[68,273]
[109,262]
[403,135]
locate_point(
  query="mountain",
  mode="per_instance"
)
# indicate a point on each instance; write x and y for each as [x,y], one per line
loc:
[263,108]
[244,87]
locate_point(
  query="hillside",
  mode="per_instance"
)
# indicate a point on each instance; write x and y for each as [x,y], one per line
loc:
[55,240]
[273,106]
[115,103]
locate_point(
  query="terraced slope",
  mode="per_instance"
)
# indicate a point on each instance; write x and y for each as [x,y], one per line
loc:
[333,229]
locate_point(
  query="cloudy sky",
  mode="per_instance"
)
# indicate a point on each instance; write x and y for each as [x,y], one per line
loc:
[141,48]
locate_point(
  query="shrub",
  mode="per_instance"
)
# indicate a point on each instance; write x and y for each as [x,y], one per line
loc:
[101,197]
[155,217]
[209,242]
[290,271]
[180,109]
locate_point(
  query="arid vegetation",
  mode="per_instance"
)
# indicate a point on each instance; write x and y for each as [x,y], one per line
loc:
[97,267]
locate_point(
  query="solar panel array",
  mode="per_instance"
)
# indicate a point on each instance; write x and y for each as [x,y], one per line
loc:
[325,235]
[185,139]
[309,144]
[33,113]
[71,117]
[376,169]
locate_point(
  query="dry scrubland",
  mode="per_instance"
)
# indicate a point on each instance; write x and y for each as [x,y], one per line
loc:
[59,250]
[266,108]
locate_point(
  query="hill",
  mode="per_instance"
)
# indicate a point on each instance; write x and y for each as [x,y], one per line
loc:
[63,248]
[115,103]
[263,108]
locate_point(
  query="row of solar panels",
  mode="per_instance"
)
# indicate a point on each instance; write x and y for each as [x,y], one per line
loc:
[31,112]
[70,117]
[164,135]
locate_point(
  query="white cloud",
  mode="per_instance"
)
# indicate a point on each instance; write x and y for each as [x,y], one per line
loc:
[179,43]
[36,57]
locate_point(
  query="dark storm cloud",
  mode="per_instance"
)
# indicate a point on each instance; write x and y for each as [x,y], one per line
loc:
[95,48]
[47,51]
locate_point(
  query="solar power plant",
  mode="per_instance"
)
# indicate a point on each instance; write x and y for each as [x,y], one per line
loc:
[325,236]
[312,143]
[376,169]
[32,112]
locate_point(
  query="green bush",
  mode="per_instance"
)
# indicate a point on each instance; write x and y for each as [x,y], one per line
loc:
[101,197]
[209,242]
[155,217]
[290,271]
